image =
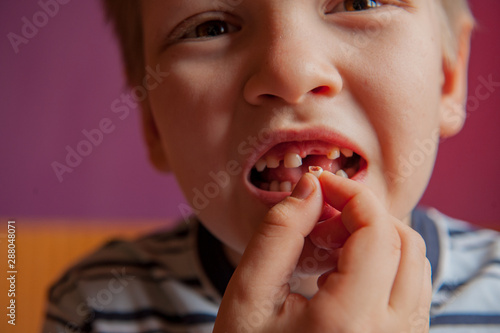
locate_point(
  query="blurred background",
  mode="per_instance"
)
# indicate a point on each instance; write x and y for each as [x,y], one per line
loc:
[58,80]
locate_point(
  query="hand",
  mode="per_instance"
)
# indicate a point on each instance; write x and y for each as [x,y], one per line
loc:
[381,282]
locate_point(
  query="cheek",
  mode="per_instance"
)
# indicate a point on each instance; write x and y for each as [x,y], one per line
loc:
[401,91]
[194,110]
[191,113]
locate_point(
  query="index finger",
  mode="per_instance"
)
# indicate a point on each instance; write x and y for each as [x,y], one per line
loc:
[370,257]
[273,252]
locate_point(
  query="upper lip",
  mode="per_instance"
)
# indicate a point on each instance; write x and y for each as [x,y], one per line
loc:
[323,135]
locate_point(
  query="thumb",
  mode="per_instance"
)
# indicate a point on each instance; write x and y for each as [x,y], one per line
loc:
[273,252]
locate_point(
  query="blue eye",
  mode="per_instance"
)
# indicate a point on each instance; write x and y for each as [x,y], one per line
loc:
[357,5]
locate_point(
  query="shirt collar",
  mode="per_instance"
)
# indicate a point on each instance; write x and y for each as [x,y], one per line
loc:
[219,270]
[214,260]
[426,227]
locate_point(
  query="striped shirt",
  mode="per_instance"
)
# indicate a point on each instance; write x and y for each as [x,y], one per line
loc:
[173,281]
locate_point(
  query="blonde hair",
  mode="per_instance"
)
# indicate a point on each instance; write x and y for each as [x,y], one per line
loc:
[125,16]
[454,14]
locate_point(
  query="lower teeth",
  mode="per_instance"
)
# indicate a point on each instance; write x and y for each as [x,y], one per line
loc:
[342,173]
[262,179]
[288,186]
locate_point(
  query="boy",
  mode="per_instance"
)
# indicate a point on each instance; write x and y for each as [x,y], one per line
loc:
[261,97]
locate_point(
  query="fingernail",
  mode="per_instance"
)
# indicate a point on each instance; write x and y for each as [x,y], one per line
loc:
[304,188]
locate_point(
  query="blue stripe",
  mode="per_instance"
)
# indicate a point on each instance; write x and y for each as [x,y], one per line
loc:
[466,319]
[187,319]
[423,224]
[458,232]
[61,287]
[450,287]
[61,291]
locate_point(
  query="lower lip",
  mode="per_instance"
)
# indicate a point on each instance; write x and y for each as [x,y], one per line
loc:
[272,198]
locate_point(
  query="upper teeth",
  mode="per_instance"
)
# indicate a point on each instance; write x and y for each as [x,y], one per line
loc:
[272,162]
[294,160]
[333,154]
[346,152]
[261,165]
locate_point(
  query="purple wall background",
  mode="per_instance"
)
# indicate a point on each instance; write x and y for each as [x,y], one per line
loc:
[65,78]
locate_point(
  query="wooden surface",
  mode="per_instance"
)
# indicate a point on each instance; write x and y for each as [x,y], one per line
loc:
[44,250]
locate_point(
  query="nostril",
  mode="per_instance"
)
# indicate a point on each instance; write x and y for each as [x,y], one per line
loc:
[268,96]
[321,90]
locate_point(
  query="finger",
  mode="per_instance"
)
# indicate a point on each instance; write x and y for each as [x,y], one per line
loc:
[426,298]
[339,191]
[272,253]
[370,257]
[410,281]
[426,294]
[418,317]
[315,260]
[329,234]
[322,245]
[323,277]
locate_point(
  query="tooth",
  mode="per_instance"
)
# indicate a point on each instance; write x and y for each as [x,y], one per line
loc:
[272,162]
[346,152]
[292,160]
[342,173]
[316,170]
[261,165]
[286,186]
[333,154]
[275,186]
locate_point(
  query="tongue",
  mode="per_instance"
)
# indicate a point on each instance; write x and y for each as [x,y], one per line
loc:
[293,175]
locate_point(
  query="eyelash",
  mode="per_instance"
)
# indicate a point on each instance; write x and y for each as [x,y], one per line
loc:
[352,4]
[189,28]
[207,27]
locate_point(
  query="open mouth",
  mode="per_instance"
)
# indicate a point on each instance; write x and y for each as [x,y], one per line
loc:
[281,168]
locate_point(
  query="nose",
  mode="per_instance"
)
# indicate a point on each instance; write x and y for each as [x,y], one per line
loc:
[290,64]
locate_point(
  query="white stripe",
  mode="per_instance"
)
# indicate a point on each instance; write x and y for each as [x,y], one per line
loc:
[148,325]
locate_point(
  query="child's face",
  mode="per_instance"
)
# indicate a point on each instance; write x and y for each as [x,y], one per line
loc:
[261,79]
